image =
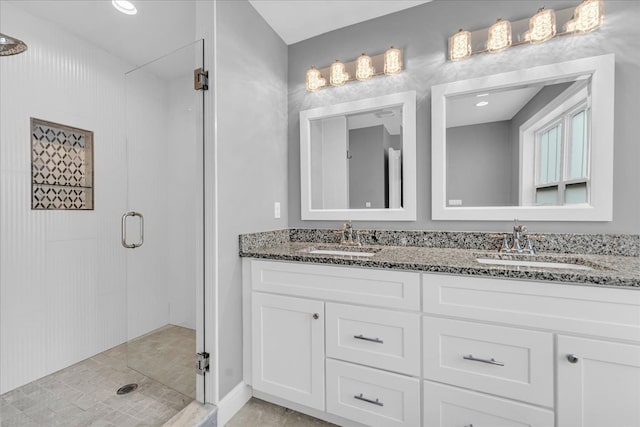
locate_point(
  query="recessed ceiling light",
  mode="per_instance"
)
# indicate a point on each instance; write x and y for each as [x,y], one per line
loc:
[124,6]
[482,104]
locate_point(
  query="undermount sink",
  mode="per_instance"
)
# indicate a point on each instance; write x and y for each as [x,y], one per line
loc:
[530,263]
[352,251]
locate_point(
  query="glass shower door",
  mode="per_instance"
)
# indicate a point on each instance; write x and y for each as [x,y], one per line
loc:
[162,229]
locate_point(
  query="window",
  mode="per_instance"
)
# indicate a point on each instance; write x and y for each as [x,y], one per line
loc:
[562,147]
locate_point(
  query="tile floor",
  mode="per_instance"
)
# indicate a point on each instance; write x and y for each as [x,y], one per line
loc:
[85,395]
[166,355]
[258,413]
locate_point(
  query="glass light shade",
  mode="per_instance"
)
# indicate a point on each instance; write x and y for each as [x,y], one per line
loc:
[542,26]
[460,45]
[588,16]
[338,74]
[392,61]
[499,36]
[314,81]
[364,67]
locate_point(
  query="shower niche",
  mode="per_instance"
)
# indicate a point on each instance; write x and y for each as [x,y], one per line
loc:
[61,167]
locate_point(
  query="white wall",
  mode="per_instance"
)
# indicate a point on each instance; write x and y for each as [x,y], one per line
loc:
[251,110]
[62,273]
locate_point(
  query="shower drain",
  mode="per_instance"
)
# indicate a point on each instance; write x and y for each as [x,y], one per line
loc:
[125,389]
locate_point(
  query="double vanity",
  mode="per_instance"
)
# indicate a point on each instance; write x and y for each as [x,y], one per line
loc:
[421,334]
[412,328]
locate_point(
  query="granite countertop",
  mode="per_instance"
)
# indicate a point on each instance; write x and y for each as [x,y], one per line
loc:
[606,270]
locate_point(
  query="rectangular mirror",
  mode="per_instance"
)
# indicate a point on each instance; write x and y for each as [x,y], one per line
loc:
[534,144]
[358,160]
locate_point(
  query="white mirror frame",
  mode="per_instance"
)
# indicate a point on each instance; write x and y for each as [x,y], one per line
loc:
[408,210]
[602,70]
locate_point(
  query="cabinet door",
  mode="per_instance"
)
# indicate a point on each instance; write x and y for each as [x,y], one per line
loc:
[598,383]
[288,348]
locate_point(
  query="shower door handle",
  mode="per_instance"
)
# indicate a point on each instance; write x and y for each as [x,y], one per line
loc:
[124,230]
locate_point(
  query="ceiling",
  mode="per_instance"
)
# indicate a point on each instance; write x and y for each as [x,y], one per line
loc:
[297,20]
[162,26]
[501,105]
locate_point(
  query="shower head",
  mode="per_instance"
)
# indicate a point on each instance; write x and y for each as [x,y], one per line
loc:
[11,46]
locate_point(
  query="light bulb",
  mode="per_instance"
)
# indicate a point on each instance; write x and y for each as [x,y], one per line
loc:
[338,74]
[460,45]
[392,61]
[499,36]
[364,68]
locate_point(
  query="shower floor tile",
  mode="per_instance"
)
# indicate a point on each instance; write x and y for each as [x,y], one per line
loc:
[84,394]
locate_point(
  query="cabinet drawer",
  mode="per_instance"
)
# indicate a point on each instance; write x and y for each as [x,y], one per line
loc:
[605,312]
[393,289]
[372,397]
[446,406]
[508,362]
[371,336]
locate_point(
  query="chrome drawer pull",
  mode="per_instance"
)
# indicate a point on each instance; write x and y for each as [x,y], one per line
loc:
[364,399]
[361,337]
[491,361]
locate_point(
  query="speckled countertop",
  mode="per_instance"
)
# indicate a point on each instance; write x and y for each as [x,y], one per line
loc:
[606,270]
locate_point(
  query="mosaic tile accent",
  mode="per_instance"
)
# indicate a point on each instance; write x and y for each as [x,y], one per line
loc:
[61,166]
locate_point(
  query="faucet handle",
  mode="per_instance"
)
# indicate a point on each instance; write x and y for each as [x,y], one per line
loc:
[536,236]
[497,236]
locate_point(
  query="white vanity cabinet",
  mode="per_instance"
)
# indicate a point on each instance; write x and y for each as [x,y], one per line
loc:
[368,347]
[288,338]
[519,333]
[598,383]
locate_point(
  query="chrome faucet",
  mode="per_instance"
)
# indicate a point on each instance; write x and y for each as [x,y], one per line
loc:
[521,242]
[350,237]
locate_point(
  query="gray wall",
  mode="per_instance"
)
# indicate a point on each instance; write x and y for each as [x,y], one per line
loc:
[479,164]
[252,156]
[423,32]
[366,167]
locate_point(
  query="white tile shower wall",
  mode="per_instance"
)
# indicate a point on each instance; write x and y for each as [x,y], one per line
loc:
[62,273]
[147,266]
[183,150]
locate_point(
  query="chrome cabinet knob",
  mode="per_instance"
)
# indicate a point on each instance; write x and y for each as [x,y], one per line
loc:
[572,358]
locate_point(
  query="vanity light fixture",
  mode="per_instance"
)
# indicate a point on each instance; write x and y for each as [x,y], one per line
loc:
[364,68]
[542,26]
[124,6]
[338,75]
[499,36]
[314,80]
[588,16]
[460,45]
[392,61]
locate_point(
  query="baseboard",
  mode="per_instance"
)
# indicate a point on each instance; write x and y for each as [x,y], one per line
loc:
[233,402]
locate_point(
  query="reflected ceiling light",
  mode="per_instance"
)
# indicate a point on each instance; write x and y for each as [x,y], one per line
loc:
[338,74]
[482,104]
[314,81]
[588,16]
[460,45]
[499,36]
[480,95]
[124,6]
[364,68]
[542,26]
[392,61]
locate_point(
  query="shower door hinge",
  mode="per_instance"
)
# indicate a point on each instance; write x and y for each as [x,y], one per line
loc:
[202,363]
[200,79]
